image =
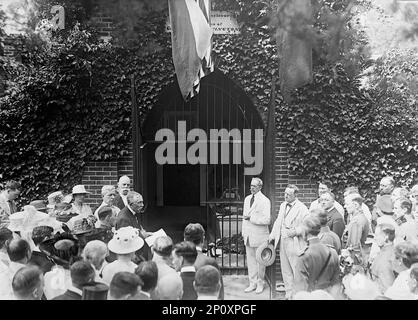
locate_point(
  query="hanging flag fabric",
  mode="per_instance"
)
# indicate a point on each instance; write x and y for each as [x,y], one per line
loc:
[191,38]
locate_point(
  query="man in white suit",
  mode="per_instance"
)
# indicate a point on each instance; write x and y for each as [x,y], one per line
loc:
[255,231]
[288,233]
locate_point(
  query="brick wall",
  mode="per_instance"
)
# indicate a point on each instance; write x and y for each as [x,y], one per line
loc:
[102,19]
[96,174]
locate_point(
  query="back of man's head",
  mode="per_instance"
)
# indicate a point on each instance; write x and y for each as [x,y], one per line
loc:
[148,272]
[321,214]
[82,273]
[170,287]
[207,281]
[18,250]
[124,285]
[194,232]
[5,235]
[163,246]
[27,283]
[312,225]
[187,250]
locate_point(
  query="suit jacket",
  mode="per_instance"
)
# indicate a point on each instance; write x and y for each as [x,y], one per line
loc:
[309,265]
[126,218]
[41,260]
[204,260]
[381,269]
[119,202]
[68,295]
[330,238]
[336,222]
[188,290]
[290,221]
[5,210]
[255,231]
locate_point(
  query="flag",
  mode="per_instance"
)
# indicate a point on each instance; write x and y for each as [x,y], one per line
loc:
[296,62]
[191,39]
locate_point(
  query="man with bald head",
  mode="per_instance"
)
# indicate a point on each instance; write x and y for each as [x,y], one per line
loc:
[124,186]
[171,287]
[386,187]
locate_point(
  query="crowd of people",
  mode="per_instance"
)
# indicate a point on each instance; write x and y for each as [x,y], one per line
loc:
[62,249]
[356,253]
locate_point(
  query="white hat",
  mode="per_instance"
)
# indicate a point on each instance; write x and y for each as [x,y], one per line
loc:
[27,219]
[54,198]
[126,240]
[79,189]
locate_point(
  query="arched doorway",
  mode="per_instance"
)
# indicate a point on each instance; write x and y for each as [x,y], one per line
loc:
[212,193]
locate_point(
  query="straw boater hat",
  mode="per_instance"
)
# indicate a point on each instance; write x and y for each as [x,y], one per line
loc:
[126,240]
[79,189]
[265,254]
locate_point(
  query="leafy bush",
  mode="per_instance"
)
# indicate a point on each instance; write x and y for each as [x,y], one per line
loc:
[336,131]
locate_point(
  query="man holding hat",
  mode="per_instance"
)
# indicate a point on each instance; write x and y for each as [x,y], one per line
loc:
[317,266]
[287,232]
[255,231]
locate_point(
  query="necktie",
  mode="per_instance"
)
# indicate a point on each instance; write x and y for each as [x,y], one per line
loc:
[251,201]
[288,206]
[12,206]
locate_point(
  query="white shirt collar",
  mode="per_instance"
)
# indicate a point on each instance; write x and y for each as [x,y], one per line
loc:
[188,269]
[130,209]
[146,293]
[199,249]
[76,290]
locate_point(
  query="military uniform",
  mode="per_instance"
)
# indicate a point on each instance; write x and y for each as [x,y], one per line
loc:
[381,270]
[317,267]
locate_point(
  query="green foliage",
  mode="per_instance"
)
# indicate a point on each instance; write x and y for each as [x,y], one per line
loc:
[336,131]
[71,104]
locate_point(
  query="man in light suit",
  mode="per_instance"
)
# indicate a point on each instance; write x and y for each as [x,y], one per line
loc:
[255,231]
[288,233]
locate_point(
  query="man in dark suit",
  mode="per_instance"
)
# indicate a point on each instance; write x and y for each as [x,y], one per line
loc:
[335,219]
[194,232]
[124,185]
[130,215]
[39,258]
[184,257]
[317,265]
[82,274]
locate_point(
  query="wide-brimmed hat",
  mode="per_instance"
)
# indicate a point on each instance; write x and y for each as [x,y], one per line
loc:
[82,226]
[27,219]
[126,240]
[55,198]
[79,189]
[38,204]
[265,254]
[359,287]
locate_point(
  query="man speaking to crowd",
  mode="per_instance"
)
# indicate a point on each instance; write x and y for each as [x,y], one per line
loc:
[255,231]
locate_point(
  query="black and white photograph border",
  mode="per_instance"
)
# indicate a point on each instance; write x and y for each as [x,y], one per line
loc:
[217,150]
